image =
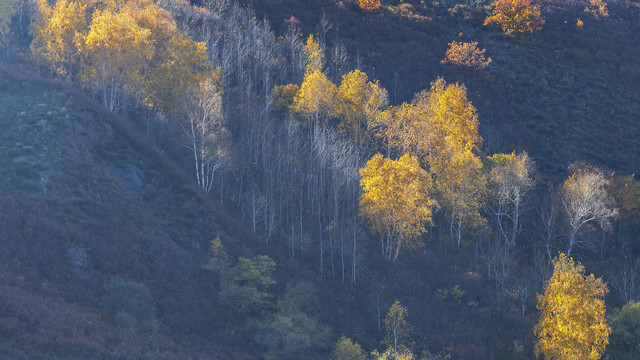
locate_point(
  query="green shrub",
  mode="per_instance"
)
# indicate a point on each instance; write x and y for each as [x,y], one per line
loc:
[128,300]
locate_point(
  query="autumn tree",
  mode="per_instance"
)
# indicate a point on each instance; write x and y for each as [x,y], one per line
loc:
[315,55]
[347,349]
[206,132]
[461,185]
[396,202]
[515,16]
[454,120]
[454,140]
[572,323]
[397,327]
[54,31]
[117,52]
[369,5]
[586,199]
[182,67]
[434,125]
[466,54]
[359,101]
[316,98]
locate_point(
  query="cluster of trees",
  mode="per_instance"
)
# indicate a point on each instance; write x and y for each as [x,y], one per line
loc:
[132,53]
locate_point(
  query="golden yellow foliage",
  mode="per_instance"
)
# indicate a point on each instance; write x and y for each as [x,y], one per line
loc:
[466,54]
[369,5]
[157,20]
[54,31]
[435,124]
[572,324]
[461,187]
[315,55]
[396,202]
[360,101]
[454,120]
[131,48]
[579,23]
[117,51]
[316,98]
[183,66]
[515,16]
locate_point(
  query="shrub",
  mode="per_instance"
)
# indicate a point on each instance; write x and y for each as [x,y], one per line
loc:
[369,5]
[466,54]
[515,16]
[128,298]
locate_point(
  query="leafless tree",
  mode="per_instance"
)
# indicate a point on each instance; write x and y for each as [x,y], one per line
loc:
[208,138]
[511,179]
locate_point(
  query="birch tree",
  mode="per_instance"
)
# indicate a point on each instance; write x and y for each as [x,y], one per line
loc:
[586,200]
[205,129]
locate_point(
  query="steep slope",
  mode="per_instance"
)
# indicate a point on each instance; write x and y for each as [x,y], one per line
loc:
[84,199]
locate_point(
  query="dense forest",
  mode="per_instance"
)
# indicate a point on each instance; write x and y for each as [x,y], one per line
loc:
[321,179]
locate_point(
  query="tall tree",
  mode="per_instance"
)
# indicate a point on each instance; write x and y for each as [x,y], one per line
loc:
[360,101]
[396,202]
[586,199]
[54,32]
[117,51]
[182,66]
[572,323]
[460,186]
[397,326]
[315,55]
[316,99]
[206,132]
[510,178]
[434,125]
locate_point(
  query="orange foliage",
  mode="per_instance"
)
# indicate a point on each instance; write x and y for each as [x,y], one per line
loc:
[515,16]
[466,54]
[369,5]
[597,8]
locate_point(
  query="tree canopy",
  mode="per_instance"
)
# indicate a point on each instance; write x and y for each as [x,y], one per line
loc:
[572,324]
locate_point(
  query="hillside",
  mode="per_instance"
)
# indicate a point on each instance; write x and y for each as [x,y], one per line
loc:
[563,94]
[85,199]
[282,179]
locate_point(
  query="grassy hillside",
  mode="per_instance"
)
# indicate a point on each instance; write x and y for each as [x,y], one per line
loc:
[81,203]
